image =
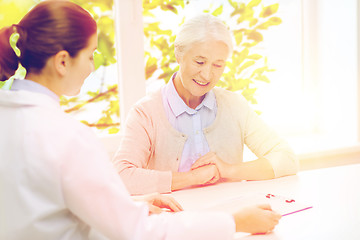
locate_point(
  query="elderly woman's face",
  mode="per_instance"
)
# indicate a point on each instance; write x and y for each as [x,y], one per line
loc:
[202,66]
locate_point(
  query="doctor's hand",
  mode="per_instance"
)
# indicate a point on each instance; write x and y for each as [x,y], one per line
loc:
[159,203]
[256,220]
[211,158]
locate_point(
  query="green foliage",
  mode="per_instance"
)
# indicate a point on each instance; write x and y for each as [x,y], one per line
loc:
[159,56]
[109,119]
[245,67]
[13,11]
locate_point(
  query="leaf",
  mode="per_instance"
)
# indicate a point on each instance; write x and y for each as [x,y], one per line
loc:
[238,58]
[99,60]
[233,3]
[151,66]
[269,10]
[113,130]
[271,22]
[106,48]
[254,56]
[238,37]
[253,22]
[253,3]
[249,45]
[148,14]
[263,78]
[218,11]
[256,36]
[242,84]
[275,21]
[249,93]
[259,71]
[246,65]
[169,7]
[246,15]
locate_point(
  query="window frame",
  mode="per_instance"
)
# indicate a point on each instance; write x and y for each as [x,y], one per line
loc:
[132,84]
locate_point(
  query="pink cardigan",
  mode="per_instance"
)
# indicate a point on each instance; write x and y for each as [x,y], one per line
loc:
[150,148]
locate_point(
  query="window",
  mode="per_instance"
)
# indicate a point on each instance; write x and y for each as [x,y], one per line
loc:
[312,97]
[97,105]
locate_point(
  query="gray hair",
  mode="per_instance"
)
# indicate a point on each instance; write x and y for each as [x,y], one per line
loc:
[199,29]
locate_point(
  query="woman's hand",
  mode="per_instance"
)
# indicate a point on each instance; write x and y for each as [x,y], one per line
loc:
[256,220]
[203,175]
[206,174]
[212,158]
[159,203]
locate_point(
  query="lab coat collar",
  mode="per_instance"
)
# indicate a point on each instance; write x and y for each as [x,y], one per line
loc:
[23,98]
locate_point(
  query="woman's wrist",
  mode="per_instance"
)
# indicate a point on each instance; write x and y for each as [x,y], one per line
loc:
[230,171]
[182,179]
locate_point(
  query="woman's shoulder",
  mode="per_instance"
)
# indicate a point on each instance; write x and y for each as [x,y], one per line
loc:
[150,99]
[150,103]
[223,95]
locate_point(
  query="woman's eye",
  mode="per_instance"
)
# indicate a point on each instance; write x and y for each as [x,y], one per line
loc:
[199,62]
[218,65]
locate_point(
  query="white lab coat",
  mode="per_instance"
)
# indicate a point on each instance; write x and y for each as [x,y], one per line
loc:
[57,182]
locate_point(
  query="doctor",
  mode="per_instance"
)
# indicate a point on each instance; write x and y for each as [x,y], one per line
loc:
[56,182]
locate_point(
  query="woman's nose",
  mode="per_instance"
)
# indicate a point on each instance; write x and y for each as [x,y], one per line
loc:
[206,72]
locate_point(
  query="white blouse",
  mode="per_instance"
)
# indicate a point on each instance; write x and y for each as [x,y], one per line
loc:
[57,182]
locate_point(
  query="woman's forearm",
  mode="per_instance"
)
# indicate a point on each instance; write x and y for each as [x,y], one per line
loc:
[181,180]
[259,169]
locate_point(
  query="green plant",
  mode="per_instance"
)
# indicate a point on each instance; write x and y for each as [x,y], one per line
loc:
[159,55]
[245,67]
[105,56]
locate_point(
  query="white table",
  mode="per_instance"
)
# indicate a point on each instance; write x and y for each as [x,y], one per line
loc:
[334,194]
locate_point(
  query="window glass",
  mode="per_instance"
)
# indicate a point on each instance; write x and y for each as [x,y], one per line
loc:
[308,92]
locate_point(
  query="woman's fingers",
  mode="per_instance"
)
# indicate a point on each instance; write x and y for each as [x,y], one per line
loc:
[204,160]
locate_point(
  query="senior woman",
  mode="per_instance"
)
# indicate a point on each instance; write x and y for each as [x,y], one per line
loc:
[190,133]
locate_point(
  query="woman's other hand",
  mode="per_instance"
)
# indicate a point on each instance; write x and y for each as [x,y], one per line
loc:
[203,175]
[206,174]
[212,159]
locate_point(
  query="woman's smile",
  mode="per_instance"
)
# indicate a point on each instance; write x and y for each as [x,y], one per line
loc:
[201,83]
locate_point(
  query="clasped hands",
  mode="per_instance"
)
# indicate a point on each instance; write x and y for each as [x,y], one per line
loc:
[209,169]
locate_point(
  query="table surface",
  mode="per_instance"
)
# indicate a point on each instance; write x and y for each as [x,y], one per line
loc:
[333,192]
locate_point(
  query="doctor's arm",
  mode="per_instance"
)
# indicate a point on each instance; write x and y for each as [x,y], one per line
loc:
[94,192]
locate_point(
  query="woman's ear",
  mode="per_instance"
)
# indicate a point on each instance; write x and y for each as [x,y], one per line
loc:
[61,62]
[177,57]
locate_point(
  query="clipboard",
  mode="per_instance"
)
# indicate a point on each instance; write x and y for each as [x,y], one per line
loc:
[280,204]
